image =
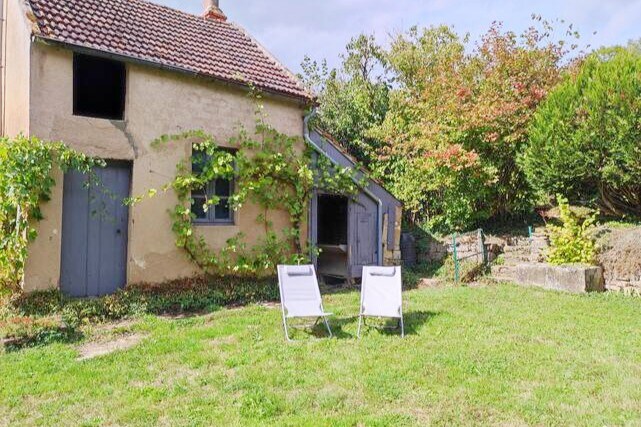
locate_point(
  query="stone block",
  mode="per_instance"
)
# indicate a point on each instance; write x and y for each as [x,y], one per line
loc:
[576,279]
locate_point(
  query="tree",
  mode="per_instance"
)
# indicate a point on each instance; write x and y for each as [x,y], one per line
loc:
[422,158]
[585,138]
[353,98]
[462,118]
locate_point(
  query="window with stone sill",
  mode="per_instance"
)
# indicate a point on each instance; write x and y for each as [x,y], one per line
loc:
[223,189]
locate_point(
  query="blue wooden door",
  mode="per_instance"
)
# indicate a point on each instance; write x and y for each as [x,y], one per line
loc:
[363,234]
[94,231]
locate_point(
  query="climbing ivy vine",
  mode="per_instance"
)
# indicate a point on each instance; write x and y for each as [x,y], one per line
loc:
[26,166]
[271,170]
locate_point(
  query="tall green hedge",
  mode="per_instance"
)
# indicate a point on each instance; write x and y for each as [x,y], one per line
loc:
[585,139]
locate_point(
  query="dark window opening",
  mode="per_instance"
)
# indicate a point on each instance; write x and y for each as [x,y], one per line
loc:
[99,87]
[222,189]
[332,220]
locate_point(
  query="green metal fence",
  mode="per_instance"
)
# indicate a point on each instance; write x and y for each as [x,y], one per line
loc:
[474,251]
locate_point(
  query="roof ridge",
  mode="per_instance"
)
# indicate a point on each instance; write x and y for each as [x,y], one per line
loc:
[172,9]
[159,34]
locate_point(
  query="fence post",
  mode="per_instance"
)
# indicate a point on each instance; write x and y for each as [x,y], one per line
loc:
[455,255]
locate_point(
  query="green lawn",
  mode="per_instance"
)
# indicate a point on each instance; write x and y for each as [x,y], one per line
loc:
[491,355]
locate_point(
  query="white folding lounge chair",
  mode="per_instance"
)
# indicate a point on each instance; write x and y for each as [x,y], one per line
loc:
[299,294]
[382,295]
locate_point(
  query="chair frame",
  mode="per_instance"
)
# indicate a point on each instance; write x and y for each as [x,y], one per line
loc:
[329,331]
[284,314]
[362,316]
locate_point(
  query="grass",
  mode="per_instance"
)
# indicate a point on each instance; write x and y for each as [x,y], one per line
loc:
[482,356]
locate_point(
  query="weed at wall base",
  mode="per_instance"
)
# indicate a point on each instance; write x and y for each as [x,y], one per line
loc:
[41,318]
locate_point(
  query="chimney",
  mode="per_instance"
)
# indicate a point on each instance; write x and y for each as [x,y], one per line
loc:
[212,11]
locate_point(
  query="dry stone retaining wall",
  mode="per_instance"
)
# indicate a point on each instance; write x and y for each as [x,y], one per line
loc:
[468,248]
[620,257]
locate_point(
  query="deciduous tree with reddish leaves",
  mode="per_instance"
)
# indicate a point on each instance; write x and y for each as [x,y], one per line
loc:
[459,119]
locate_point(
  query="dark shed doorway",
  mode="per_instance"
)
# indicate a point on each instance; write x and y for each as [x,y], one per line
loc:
[333,225]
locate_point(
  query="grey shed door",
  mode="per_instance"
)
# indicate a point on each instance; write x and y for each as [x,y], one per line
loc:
[94,231]
[363,234]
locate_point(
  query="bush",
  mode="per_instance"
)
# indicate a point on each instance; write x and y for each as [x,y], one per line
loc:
[584,139]
[456,189]
[468,271]
[412,276]
[41,303]
[573,241]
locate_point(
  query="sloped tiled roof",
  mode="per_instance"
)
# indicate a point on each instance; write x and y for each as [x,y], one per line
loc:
[161,35]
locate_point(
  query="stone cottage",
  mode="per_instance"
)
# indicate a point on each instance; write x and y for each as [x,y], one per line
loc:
[107,77]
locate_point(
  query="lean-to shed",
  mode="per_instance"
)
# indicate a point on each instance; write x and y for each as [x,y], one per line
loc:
[352,232]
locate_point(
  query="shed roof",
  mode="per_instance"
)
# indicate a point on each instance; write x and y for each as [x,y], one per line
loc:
[161,35]
[336,152]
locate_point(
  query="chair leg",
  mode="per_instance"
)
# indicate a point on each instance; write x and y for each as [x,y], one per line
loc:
[286,331]
[402,328]
[360,322]
[328,328]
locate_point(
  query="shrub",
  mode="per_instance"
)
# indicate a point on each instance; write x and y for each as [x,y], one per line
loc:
[444,270]
[469,271]
[412,276]
[584,139]
[41,303]
[572,242]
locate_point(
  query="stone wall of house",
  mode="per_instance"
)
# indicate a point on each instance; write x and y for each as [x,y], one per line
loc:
[158,102]
[14,73]
[393,258]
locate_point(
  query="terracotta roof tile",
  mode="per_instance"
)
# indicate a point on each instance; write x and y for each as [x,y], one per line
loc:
[158,34]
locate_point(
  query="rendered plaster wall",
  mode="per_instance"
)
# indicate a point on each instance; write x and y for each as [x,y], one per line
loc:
[16,42]
[158,102]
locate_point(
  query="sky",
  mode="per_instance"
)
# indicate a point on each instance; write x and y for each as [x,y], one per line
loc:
[291,29]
